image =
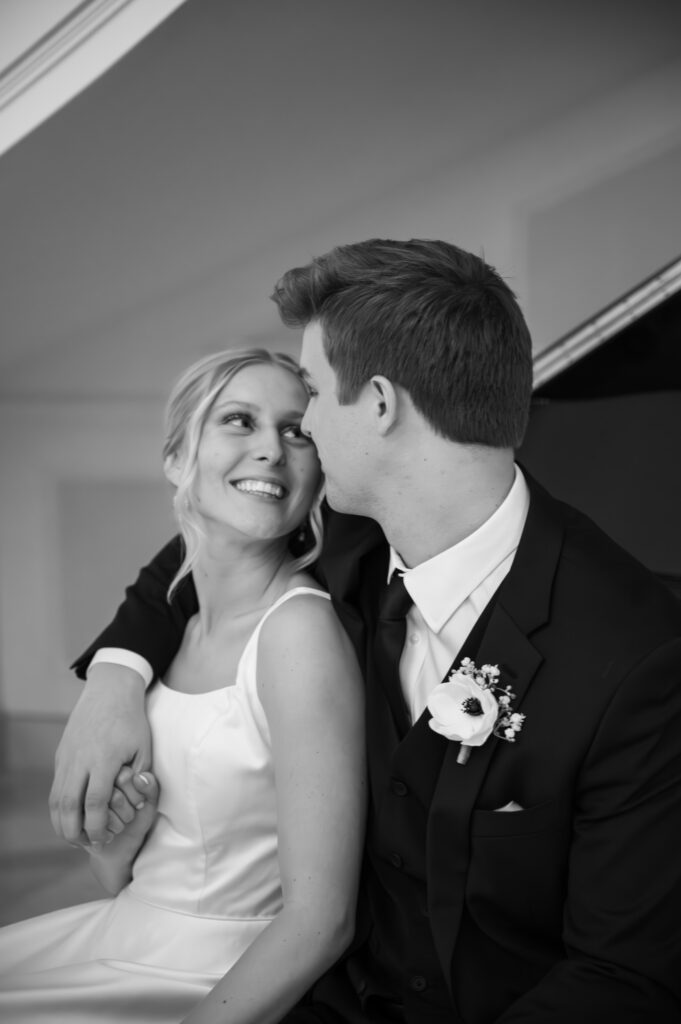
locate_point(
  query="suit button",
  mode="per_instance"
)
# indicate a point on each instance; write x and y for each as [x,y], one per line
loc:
[398,787]
[396,860]
[417,983]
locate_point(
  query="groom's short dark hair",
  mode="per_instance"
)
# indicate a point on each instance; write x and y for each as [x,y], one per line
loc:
[432,318]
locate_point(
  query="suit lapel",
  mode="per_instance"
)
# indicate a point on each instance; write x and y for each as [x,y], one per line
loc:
[522,606]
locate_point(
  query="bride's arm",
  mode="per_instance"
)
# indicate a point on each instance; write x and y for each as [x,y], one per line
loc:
[310,687]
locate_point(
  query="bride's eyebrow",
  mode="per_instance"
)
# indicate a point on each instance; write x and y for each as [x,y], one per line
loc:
[236,403]
[294,415]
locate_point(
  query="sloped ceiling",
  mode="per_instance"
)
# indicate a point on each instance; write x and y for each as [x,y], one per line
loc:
[146,221]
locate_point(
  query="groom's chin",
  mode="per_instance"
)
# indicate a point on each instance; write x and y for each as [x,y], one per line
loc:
[340,501]
[336,499]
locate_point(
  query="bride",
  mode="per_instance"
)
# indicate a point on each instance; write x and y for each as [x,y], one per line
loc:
[234,885]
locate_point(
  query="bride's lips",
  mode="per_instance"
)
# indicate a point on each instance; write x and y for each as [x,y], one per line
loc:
[261,487]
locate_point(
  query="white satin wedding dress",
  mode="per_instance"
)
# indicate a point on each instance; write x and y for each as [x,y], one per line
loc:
[205,884]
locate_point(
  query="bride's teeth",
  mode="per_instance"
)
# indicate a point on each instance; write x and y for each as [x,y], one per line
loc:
[260,487]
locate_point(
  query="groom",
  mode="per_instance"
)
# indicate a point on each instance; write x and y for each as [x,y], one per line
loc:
[530,875]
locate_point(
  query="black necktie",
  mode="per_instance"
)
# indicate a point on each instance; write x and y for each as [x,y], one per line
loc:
[391,629]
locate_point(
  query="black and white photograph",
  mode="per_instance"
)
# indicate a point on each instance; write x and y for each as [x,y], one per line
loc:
[340,559]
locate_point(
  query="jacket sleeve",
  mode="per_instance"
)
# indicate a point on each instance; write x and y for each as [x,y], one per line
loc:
[621,931]
[146,622]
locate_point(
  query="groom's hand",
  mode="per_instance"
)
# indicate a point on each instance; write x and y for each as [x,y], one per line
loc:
[106,730]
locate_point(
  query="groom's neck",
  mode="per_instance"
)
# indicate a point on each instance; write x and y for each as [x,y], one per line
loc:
[444,498]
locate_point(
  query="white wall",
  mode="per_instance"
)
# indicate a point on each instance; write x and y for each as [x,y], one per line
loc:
[83,505]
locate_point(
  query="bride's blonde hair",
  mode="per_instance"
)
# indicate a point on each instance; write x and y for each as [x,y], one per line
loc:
[187,410]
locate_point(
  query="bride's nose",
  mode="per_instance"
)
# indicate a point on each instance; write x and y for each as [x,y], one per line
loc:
[268,447]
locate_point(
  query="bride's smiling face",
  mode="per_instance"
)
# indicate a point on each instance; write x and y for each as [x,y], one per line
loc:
[256,472]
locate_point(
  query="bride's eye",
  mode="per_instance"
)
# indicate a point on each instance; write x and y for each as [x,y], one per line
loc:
[236,419]
[293,432]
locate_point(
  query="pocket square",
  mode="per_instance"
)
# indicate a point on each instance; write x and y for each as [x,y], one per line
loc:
[510,806]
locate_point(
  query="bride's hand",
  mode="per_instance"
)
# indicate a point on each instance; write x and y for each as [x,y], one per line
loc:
[131,813]
[133,804]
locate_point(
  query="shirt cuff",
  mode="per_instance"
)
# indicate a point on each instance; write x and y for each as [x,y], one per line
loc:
[119,656]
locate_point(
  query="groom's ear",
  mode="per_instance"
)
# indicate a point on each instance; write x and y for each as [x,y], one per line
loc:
[385,403]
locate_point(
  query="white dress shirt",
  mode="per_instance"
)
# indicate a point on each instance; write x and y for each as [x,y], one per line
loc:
[450,591]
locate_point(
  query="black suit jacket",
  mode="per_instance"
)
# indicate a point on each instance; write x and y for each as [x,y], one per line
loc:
[571,908]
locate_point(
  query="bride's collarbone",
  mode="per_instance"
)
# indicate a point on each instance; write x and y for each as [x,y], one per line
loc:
[211,648]
[208,659]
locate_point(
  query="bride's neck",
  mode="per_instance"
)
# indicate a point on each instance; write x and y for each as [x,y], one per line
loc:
[231,581]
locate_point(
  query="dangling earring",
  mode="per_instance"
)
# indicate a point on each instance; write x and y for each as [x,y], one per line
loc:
[185,503]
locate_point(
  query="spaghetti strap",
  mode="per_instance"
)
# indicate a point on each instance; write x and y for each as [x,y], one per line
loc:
[293,592]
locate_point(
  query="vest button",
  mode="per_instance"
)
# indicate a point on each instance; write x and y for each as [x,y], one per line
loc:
[396,860]
[417,983]
[398,787]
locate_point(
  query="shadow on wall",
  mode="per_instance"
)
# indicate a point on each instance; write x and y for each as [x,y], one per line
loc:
[604,436]
[616,459]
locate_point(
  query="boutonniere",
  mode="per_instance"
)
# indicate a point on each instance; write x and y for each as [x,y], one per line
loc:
[470,705]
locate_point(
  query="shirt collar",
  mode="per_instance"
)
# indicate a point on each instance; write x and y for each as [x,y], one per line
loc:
[441,584]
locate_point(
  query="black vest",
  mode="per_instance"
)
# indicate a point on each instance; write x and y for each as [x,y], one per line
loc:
[397,964]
